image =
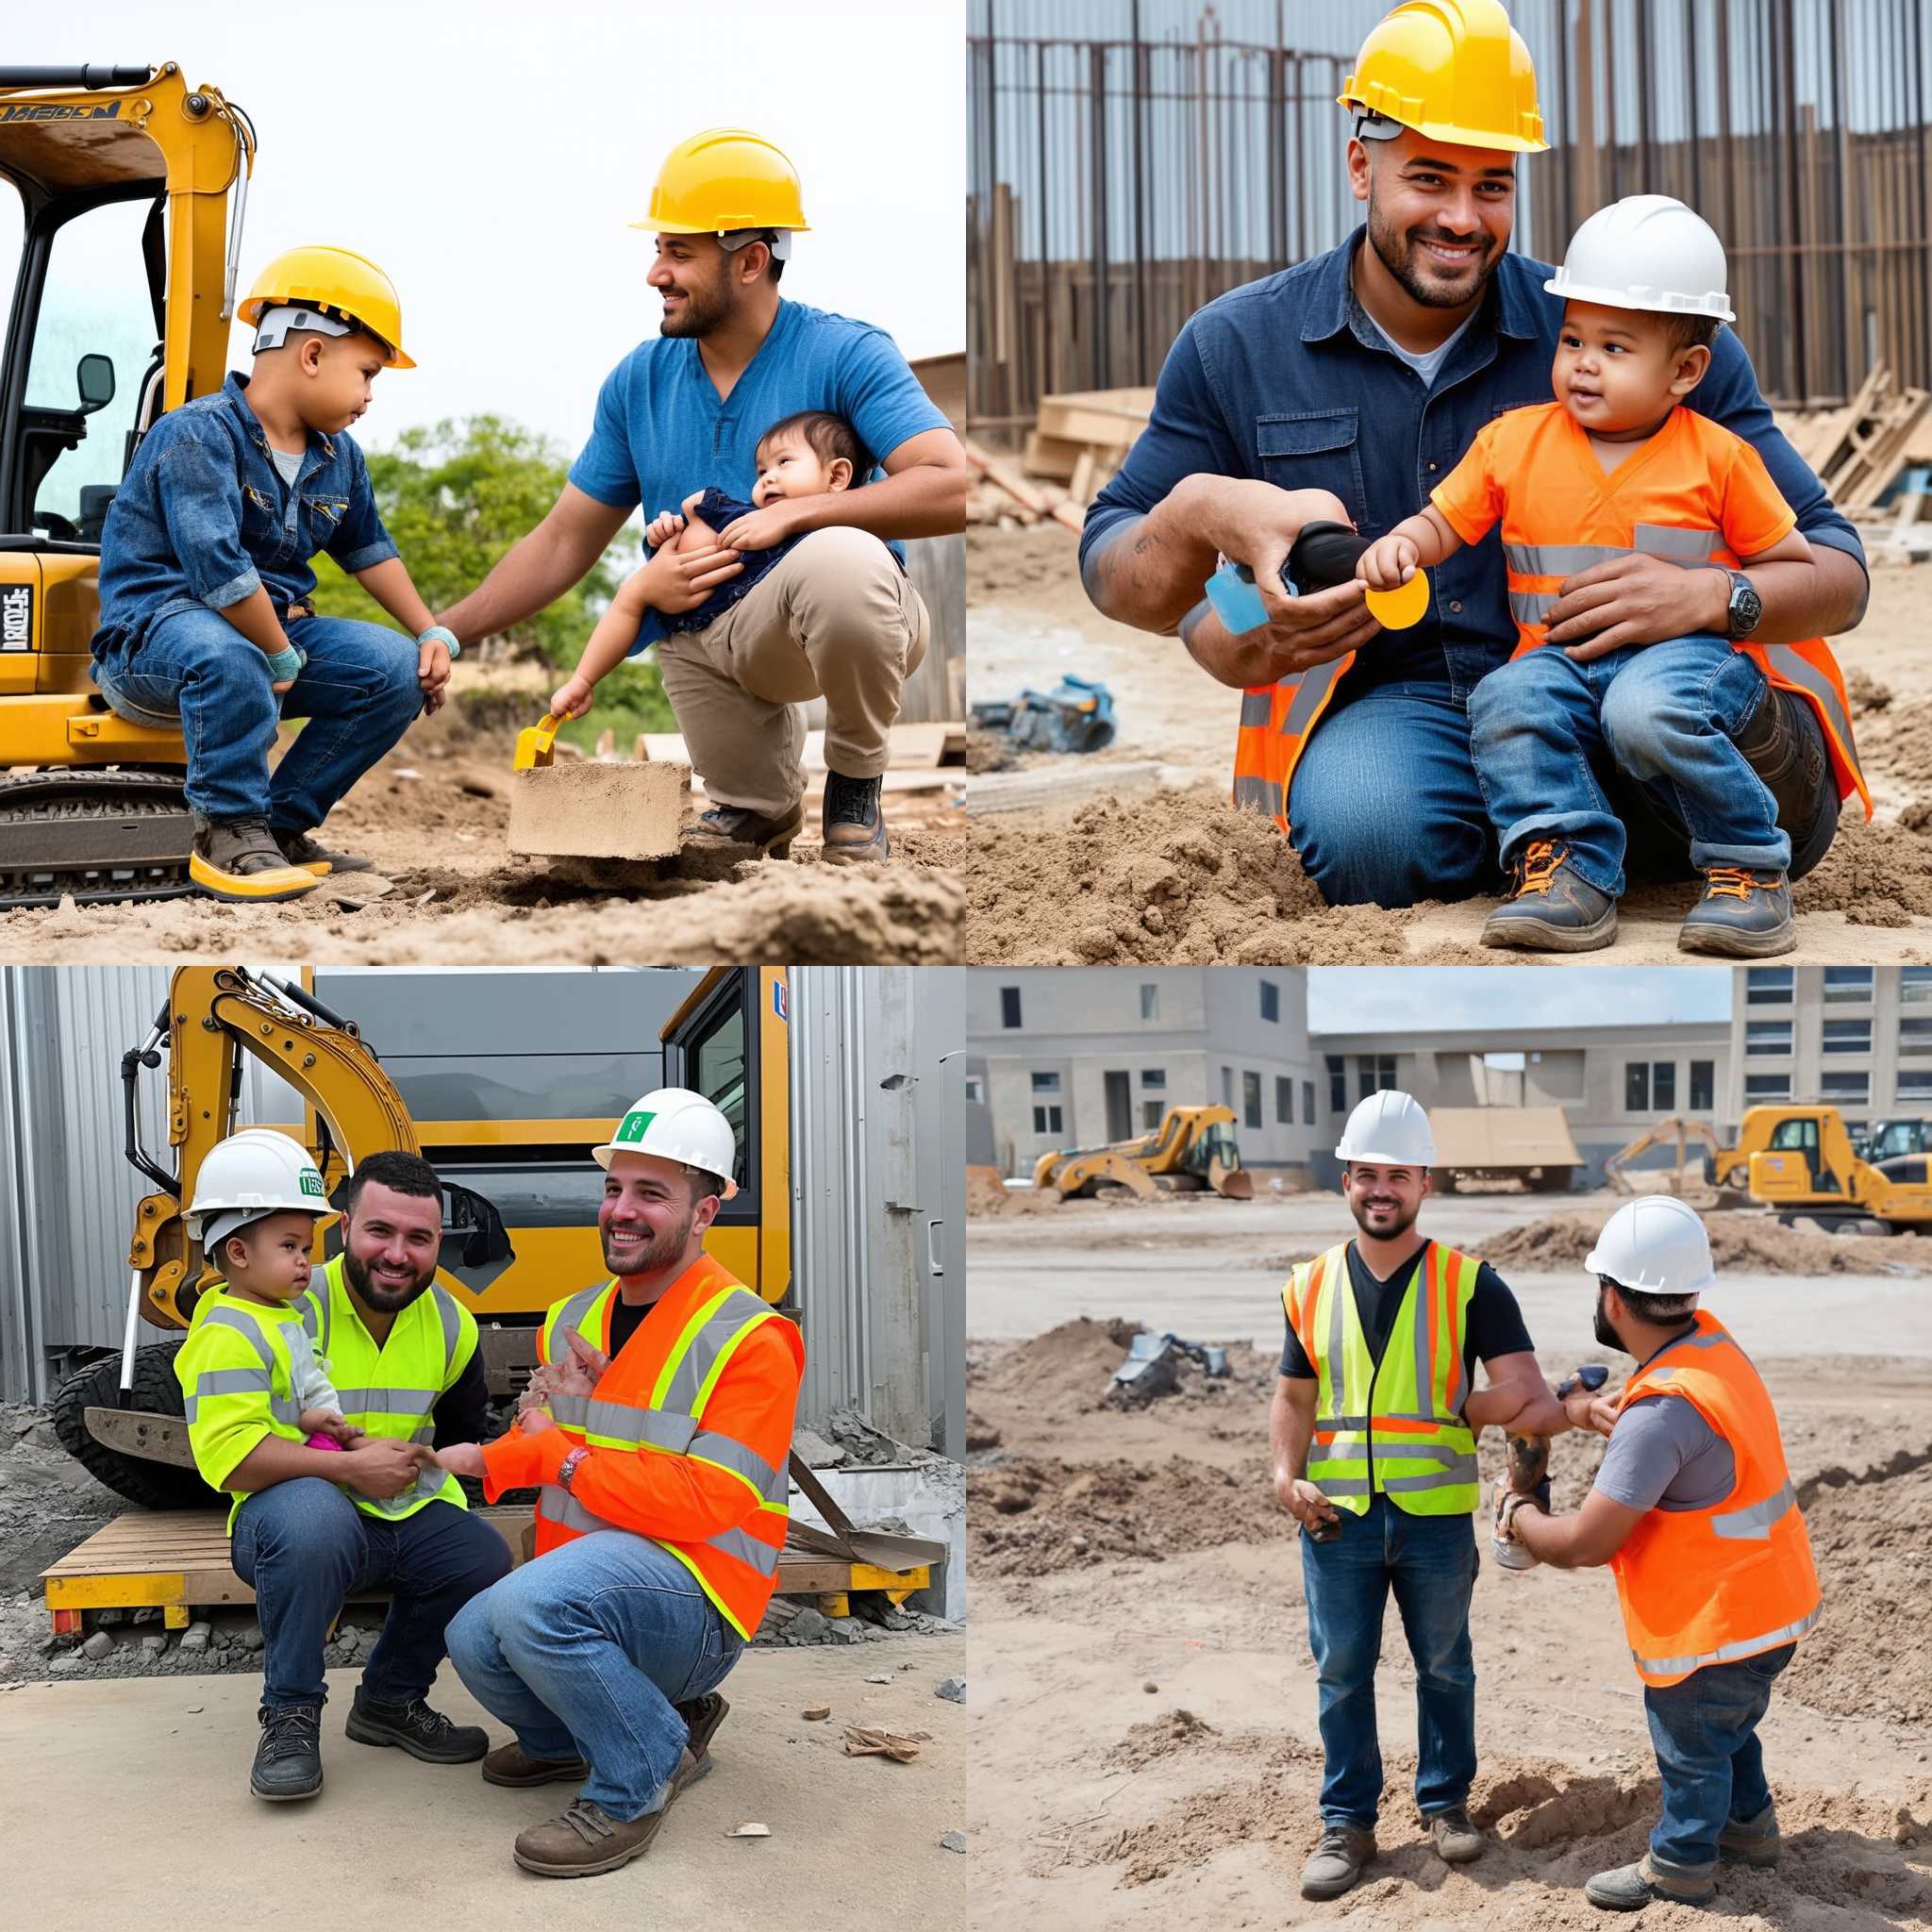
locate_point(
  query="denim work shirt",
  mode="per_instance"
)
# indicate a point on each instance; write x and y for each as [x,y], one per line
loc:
[203,517]
[1289,381]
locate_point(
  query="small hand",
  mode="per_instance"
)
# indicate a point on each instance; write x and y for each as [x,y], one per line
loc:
[764,529]
[281,685]
[663,528]
[432,665]
[572,698]
[461,1458]
[1388,564]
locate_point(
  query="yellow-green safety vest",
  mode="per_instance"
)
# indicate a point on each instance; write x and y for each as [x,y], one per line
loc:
[391,1390]
[1394,1427]
[236,1378]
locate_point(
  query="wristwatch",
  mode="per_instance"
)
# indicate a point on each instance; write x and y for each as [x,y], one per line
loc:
[567,1470]
[1746,607]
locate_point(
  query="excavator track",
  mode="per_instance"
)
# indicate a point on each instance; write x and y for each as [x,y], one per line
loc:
[97,837]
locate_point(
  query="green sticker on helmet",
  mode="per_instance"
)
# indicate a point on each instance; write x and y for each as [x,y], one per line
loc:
[633,1124]
[312,1182]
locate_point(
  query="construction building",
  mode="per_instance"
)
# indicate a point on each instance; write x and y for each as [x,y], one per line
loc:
[1856,1038]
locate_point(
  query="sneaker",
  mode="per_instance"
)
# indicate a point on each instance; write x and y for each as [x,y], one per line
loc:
[1744,914]
[239,860]
[586,1839]
[1550,907]
[422,1732]
[1630,1888]
[288,1758]
[1337,1861]
[734,825]
[1456,1840]
[854,822]
[301,848]
[1751,1840]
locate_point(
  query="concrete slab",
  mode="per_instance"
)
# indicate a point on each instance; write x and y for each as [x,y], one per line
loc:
[128,1803]
[597,811]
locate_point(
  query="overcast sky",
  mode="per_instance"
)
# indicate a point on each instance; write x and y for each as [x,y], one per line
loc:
[1407,999]
[490,154]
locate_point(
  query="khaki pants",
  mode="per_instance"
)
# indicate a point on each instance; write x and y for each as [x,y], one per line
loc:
[837,619]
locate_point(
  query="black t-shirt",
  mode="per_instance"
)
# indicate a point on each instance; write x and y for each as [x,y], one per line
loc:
[626,1319]
[1494,1327]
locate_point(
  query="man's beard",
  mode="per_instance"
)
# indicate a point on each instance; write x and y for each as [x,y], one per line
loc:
[701,313]
[1396,251]
[657,1253]
[1605,1334]
[385,1301]
[1404,1222]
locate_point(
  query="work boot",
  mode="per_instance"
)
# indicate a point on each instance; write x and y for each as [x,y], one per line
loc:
[1550,907]
[1630,1888]
[422,1732]
[239,860]
[1337,1862]
[510,1764]
[587,1839]
[1751,1840]
[288,1758]
[854,823]
[301,848]
[1744,914]
[1456,1840]
[734,825]
[702,1717]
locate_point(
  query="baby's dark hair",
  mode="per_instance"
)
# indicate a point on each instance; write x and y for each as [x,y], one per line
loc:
[1691,331]
[828,437]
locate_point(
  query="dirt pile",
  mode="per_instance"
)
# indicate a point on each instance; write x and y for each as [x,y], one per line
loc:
[1068,1371]
[987,1193]
[1752,1246]
[1179,878]
[1875,875]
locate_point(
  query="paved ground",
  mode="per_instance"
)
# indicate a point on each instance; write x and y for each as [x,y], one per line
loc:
[130,1801]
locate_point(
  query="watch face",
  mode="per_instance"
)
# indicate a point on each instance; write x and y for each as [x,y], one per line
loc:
[1746,608]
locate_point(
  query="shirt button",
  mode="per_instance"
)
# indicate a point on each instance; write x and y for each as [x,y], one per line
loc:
[1432,469]
[1456,610]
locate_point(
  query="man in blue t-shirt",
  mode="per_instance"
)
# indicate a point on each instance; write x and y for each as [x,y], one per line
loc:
[837,617]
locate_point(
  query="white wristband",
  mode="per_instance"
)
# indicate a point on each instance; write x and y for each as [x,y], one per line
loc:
[440,633]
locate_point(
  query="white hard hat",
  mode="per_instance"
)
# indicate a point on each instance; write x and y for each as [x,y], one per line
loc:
[252,1174]
[1647,251]
[1388,1127]
[1656,1244]
[676,1124]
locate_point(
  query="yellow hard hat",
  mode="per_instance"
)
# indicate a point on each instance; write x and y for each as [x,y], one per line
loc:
[1454,70]
[724,178]
[333,278]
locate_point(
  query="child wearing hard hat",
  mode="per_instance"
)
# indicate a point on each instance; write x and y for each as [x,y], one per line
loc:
[207,618]
[1616,467]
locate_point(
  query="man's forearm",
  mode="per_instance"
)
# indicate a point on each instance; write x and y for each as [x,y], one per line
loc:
[534,571]
[923,500]
[276,1459]
[1819,599]
[1148,571]
[1290,1430]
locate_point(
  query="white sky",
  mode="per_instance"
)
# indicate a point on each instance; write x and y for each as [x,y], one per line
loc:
[490,154]
[1409,999]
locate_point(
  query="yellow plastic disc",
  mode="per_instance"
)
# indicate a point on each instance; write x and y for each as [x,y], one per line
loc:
[1399,609]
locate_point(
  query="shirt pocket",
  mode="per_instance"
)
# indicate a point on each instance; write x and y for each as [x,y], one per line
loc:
[262,521]
[1315,449]
[322,520]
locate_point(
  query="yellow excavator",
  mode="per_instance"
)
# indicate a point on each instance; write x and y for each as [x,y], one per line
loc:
[121,303]
[1192,1149]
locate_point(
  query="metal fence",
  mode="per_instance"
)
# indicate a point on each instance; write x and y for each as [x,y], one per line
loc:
[1131,160]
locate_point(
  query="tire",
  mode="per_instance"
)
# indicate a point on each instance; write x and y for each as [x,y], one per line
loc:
[152,1485]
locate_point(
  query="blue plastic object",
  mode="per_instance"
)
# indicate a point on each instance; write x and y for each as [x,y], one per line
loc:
[1237,602]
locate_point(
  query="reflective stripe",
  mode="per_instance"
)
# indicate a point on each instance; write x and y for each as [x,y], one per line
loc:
[1681,546]
[389,1401]
[1558,559]
[1344,1486]
[284,1408]
[727,1453]
[1258,706]
[1460,1470]
[242,1325]
[570,1410]
[620,1423]
[724,1324]
[1729,1653]
[311,1320]
[563,1509]
[1755,1522]
[573,1314]
[746,1549]
[1530,606]
[232,1382]
[1258,794]
[1337,1364]
[1310,690]
[1795,668]
[452,1325]
[1421,1319]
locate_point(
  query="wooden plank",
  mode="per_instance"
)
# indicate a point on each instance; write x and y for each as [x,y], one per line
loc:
[1052,457]
[1071,781]
[1072,422]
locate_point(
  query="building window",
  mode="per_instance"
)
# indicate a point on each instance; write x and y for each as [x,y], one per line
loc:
[1845,984]
[1227,1088]
[1915,986]
[1010,1006]
[1767,1086]
[1150,1002]
[1915,1035]
[1283,1101]
[1853,1088]
[1768,986]
[1847,1036]
[1047,1120]
[1250,1099]
[1151,1113]
[1635,1086]
[975,1088]
[1915,1083]
[1374,1074]
[1046,1083]
[1270,1000]
[1154,1076]
[1338,1083]
[1663,1085]
[1703,1086]
[1765,1039]
[1308,1103]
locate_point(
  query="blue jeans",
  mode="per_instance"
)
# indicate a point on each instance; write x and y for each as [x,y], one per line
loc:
[1705,1728]
[1430,1561]
[358,692]
[587,1652]
[302,1546]
[1543,726]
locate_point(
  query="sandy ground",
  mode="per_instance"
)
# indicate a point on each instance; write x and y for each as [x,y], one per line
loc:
[1145,1748]
[167,1761]
[433,815]
[1171,877]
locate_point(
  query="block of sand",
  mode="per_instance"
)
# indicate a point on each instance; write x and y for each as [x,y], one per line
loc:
[597,811]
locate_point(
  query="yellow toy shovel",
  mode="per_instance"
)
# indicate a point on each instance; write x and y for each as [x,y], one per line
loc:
[536,744]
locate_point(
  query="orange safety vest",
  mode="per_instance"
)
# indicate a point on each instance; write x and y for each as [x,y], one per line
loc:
[1710,1586]
[653,1399]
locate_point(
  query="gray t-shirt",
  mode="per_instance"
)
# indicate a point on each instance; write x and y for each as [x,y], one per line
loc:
[1431,361]
[288,462]
[1663,1455]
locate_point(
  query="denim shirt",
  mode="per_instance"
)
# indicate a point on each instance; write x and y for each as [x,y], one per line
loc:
[202,518]
[1289,381]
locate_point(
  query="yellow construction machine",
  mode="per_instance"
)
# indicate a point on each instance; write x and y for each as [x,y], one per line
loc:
[121,301]
[1800,1161]
[1718,1160]
[1192,1149]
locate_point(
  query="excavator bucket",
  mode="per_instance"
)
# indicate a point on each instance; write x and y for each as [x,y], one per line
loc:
[1234,1183]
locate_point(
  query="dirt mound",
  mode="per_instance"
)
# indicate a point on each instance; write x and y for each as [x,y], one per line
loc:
[1875,875]
[1035,1514]
[1179,878]
[1172,1731]
[987,1193]
[1867,695]
[1068,1371]
[1758,1246]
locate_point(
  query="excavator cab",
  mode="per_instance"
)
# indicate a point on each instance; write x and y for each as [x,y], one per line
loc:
[115,186]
